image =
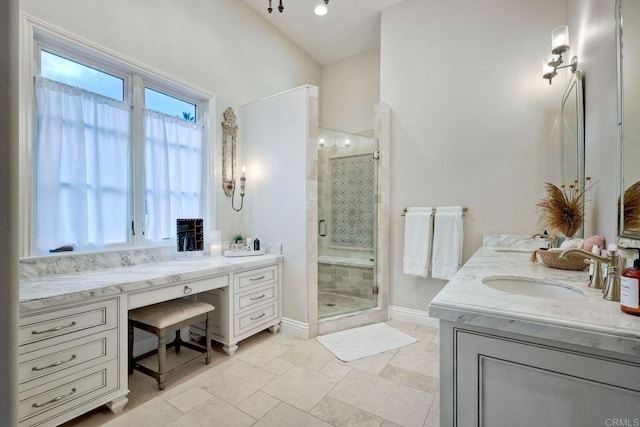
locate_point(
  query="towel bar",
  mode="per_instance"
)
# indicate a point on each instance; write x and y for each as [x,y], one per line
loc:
[404,211]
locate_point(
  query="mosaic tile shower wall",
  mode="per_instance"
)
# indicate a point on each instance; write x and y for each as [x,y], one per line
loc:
[353,201]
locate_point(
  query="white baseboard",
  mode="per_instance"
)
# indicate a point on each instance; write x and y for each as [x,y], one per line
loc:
[295,328]
[414,316]
[302,330]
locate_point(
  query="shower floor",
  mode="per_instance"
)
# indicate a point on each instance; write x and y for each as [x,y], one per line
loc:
[331,304]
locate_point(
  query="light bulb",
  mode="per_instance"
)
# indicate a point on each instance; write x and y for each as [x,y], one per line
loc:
[320,10]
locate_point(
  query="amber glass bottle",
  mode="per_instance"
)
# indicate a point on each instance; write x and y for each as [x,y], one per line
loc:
[630,289]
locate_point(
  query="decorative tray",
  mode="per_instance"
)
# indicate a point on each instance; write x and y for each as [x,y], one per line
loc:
[552,259]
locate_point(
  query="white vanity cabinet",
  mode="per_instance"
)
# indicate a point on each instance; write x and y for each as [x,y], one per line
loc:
[498,379]
[68,362]
[508,358]
[73,351]
[249,305]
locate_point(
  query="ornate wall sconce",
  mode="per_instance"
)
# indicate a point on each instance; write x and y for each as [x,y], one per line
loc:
[559,45]
[229,131]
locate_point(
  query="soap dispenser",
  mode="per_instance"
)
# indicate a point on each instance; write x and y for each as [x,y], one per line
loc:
[256,244]
[630,288]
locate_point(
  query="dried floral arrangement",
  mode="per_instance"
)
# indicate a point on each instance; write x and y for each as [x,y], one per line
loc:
[562,211]
[632,207]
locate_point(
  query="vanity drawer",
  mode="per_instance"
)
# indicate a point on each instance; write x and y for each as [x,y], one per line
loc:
[41,404]
[248,300]
[160,294]
[68,323]
[50,363]
[253,278]
[247,322]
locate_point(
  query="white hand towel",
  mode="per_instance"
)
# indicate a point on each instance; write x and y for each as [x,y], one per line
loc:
[417,241]
[447,242]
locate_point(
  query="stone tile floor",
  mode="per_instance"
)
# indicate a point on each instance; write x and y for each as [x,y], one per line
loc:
[279,380]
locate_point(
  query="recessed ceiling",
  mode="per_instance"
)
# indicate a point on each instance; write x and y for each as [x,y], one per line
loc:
[350,27]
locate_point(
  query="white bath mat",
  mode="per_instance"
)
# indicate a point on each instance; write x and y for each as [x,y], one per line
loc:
[364,341]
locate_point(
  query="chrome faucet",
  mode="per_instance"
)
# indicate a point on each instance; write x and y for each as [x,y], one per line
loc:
[614,261]
[551,240]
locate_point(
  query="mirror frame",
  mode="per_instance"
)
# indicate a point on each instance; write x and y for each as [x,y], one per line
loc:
[626,238]
[576,83]
[229,131]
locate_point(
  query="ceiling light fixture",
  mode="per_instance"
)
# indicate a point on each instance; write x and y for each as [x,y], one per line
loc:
[281,7]
[320,10]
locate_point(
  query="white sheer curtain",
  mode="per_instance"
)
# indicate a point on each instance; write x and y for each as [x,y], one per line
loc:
[173,173]
[82,148]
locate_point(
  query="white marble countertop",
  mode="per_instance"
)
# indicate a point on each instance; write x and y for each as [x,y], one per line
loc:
[587,321]
[49,290]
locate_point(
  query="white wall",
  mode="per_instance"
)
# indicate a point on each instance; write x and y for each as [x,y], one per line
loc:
[473,122]
[276,139]
[350,89]
[592,33]
[8,211]
[222,46]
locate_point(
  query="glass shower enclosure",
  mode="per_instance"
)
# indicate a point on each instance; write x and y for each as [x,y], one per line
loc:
[347,228]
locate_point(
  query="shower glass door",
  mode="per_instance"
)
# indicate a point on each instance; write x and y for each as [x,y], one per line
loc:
[347,223]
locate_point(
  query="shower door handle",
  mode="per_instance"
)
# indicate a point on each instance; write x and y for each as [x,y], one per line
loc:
[322,228]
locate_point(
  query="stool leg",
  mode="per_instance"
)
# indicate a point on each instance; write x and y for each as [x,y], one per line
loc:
[207,333]
[178,341]
[162,359]
[130,348]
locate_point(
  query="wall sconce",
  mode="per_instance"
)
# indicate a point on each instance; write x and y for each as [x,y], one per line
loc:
[559,45]
[243,181]
[229,131]
[334,143]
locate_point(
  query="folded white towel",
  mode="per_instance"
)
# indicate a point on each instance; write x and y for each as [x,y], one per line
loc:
[447,242]
[417,241]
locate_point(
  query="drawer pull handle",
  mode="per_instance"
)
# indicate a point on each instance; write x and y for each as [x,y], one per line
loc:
[257,298]
[57,328]
[259,317]
[257,278]
[55,399]
[187,290]
[53,365]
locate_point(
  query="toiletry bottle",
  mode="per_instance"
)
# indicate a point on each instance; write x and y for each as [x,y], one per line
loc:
[249,244]
[630,288]
[256,244]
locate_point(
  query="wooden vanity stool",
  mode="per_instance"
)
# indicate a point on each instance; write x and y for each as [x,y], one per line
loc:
[162,318]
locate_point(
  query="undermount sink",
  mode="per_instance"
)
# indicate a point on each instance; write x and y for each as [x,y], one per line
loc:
[508,249]
[533,287]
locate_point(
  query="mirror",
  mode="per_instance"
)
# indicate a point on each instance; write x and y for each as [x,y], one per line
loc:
[189,234]
[229,130]
[628,13]
[572,117]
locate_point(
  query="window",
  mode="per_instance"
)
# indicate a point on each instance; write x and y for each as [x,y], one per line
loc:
[63,70]
[111,169]
[154,100]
